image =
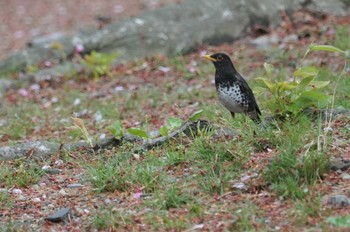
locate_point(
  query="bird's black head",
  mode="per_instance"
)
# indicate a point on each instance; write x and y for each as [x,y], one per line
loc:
[220,61]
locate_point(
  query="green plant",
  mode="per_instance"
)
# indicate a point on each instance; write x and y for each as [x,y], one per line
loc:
[339,221]
[171,124]
[342,37]
[289,98]
[173,198]
[5,200]
[214,180]
[121,174]
[99,63]
[23,175]
[108,219]
[108,176]
[116,129]
[138,132]
[246,219]
[304,208]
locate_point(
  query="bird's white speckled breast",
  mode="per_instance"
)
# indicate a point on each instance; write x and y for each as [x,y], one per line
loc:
[231,98]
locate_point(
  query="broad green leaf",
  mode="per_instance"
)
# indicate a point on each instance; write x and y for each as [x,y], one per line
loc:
[319,84]
[116,129]
[268,68]
[258,90]
[314,98]
[313,95]
[303,83]
[307,71]
[138,132]
[174,123]
[340,221]
[327,48]
[270,86]
[163,131]
[283,86]
[196,115]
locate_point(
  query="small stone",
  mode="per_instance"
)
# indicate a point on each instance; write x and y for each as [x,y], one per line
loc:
[58,162]
[239,185]
[36,199]
[59,215]
[42,184]
[3,190]
[76,102]
[345,176]
[337,164]
[16,191]
[75,186]
[62,192]
[45,167]
[339,200]
[22,198]
[53,171]
[107,201]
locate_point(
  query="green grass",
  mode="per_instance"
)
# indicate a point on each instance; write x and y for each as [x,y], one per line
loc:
[299,162]
[342,37]
[23,174]
[6,200]
[107,219]
[186,181]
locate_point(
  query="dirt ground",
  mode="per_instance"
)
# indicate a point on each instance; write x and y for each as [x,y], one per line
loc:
[23,20]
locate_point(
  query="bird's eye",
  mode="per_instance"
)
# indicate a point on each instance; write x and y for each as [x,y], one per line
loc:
[219,58]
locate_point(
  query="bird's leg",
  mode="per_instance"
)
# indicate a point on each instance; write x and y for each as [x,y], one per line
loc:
[232,114]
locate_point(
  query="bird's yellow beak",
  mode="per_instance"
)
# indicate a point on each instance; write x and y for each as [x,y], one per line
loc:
[208,57]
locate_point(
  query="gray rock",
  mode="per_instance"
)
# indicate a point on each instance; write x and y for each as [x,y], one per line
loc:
[59,215]
[171,30]
[3,190]
[37,148]
[345,176]
[338,164]
[53,171]
[339,201]
[75,186]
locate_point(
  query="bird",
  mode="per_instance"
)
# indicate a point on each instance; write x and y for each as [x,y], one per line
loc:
[233,91]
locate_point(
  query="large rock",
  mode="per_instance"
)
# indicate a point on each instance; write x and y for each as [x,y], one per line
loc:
[173,29]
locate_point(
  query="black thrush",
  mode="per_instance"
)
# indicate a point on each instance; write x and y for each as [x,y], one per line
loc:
[233,91]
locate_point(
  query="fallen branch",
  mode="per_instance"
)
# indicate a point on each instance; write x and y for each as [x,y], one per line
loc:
[47,148]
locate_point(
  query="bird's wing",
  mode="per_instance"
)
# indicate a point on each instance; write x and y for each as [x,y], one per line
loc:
[245,88]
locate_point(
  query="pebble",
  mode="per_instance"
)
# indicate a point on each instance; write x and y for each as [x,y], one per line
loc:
[345,176]
[36,199]
[239,185]
[75,186]
[340,201]
[62,192]
[59,162]
[22,198]
[59,215]
[53,171]
[3,190]
[16,191]
[107,201]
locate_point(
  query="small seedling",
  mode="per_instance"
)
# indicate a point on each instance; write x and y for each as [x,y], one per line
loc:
[99,63]
[138,132]
[116,129]
[79,127]
[171,124]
